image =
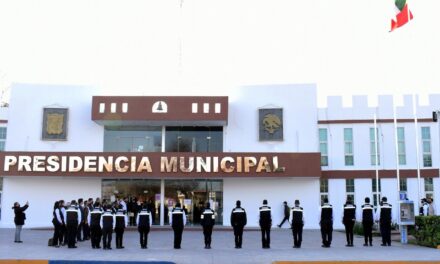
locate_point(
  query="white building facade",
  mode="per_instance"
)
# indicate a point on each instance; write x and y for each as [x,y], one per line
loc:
[321,152]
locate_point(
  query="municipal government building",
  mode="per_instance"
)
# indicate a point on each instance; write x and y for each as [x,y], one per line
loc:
[259,142]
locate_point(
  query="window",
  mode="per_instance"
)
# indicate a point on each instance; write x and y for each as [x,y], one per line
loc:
[401,145]
[132,139]
[373,190]
[426,145]
[348,146]
[323,146]
[429,187]
[2,138]
[403,184]
[349,188]
[194,139]
[323,189]
[373,137]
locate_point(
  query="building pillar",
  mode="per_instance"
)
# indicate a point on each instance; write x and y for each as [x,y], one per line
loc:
[162,202]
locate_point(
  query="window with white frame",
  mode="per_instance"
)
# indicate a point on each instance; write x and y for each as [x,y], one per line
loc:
[403,183]
[2,138]
[373,144]
[429,187]
[374,191]
[323,146]
[323,189]
[426,147]
[348,147]
[349,189]
[401,145]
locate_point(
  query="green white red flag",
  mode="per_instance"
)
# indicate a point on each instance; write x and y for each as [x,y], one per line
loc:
[403,16]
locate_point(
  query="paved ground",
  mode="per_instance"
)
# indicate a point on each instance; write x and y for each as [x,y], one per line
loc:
[223,251]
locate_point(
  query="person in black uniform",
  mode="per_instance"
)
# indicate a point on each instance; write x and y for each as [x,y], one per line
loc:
[207,220]
[265,224]
[297,220]
[107,225]
[368,221]
[238,222]
[94,220]
[385,222]
[121,224]
[177,221]
[63,231]
[286,214]
[349,219]
[144,221]
[326,223]
[72,217]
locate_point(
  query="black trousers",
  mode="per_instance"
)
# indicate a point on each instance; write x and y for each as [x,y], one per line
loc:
[349,225]
[326,233]
[86,231]
[119,236]
[107,237]
[238,233]
[385,231]
[72,229]
[95,235]
[63,235]
[297,231]
[207,233]
[178,230]
[79,233]
[57,236]
[265,236]
[286,218]
[368,232]
[143,235]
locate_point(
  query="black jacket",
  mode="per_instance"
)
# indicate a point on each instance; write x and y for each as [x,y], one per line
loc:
[20,216]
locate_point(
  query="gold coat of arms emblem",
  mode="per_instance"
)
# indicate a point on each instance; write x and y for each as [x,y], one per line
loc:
[54,124]
[271,123]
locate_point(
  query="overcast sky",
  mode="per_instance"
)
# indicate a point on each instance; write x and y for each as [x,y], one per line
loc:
[205,47]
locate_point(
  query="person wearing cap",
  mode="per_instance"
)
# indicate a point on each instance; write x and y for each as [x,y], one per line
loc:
[108,223]
[94,220]
[297,221]
[286,214]
[143,222]
[326,223]
[121,220]
[367,222]
[207,220]
[348,219]
[72,217]
[265,224]
[238,222]
[385,210]
[177,221]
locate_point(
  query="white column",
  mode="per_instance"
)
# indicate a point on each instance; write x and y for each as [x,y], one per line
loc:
[162,202]
[162,185]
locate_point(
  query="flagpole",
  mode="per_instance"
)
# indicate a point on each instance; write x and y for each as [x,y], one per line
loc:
[376,158]
[397,148]
[417,148]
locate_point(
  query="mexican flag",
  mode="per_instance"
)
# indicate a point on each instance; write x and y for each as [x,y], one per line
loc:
[403,16]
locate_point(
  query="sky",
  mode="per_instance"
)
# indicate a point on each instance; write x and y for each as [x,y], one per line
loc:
[202,47]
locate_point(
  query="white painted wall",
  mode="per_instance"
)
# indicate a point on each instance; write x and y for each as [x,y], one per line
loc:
[252,192]
[42,192]
[26,114]
[299,105]
[337,197]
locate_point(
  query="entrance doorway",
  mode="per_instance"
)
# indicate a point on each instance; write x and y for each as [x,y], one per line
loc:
[192,194]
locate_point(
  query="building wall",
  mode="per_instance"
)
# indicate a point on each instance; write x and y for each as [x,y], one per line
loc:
[299,114]
[42,192]
[26,114]
[252,192]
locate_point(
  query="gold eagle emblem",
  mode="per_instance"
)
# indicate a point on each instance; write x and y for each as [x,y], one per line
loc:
[271,123]
[54,124]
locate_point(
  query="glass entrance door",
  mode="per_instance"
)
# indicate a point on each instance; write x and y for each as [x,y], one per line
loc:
[193,195]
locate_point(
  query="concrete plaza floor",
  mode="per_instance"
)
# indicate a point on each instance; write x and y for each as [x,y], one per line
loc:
[223,251]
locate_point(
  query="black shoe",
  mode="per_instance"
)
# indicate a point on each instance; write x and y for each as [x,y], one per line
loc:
[347,245]
[121,247]
[176,247]
[365,245]
[389,245]
[98,247]
[109,248]
[371,244]
[383,245]
[237,247]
